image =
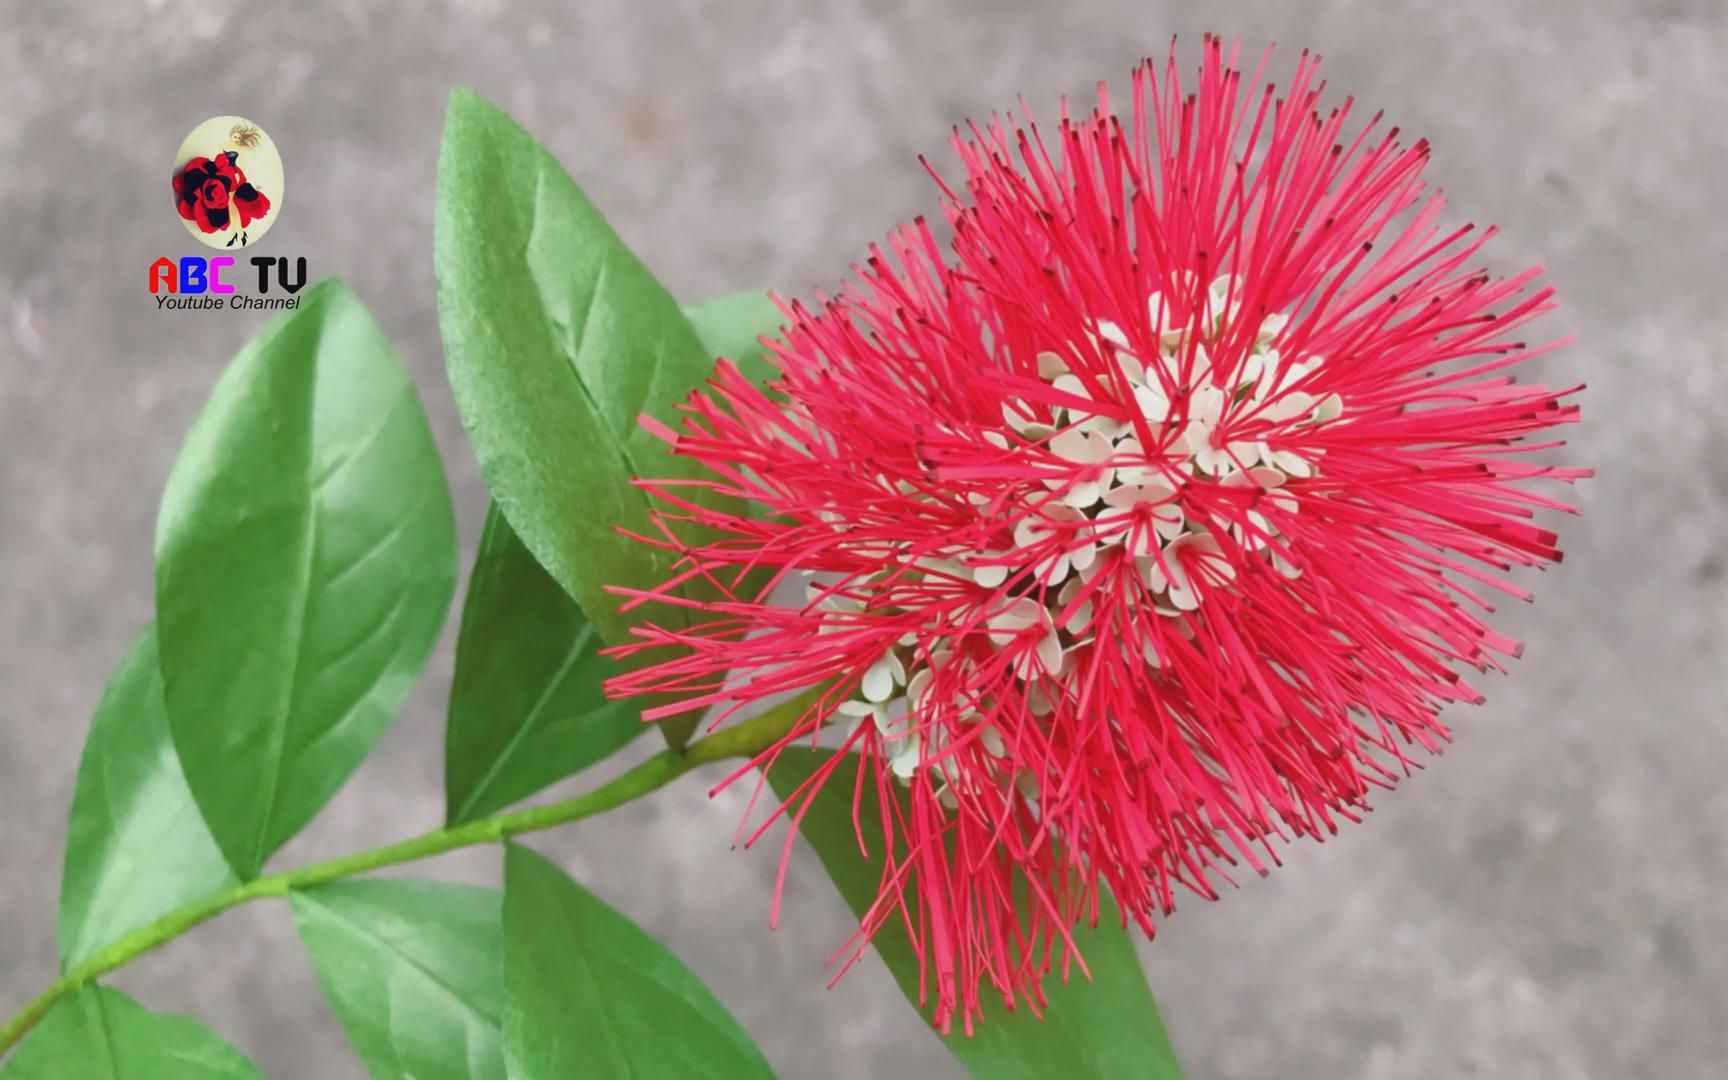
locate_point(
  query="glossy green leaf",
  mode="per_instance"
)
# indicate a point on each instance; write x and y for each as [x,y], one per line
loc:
[101,1034]
[558,339]
[526,708]
[587,993]
[136,847]
[732,326]
[305,557]
[415,972]
[1105,1027]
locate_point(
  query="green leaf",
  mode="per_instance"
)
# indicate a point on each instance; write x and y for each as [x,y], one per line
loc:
[731,326]
[305,557]
[101,1034]
[557,340]
[587,993]
[526,707]
[415,972]
[1105,1027]
[136,847]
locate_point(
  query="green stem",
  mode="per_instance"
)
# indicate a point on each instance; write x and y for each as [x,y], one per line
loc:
[740,740]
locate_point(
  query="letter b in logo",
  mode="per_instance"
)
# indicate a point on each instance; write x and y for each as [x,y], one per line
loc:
[193,276]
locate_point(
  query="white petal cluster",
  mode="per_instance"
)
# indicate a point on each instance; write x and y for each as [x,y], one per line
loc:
[1104,490]
[1106,479]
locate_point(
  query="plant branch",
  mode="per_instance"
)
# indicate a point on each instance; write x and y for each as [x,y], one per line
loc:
[740,740]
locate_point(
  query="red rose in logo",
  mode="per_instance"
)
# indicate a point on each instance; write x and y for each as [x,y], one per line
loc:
[210,191]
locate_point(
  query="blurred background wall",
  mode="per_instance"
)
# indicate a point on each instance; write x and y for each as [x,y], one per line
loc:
[1546,902]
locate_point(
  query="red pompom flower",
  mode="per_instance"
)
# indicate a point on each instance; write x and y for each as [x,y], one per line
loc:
[1154,524]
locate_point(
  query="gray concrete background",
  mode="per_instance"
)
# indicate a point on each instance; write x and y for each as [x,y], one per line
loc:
[1546,902]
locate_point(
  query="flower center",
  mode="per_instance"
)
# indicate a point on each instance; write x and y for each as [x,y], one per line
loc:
[1144,473]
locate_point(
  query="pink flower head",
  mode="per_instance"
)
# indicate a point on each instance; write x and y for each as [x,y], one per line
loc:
[1154,521]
